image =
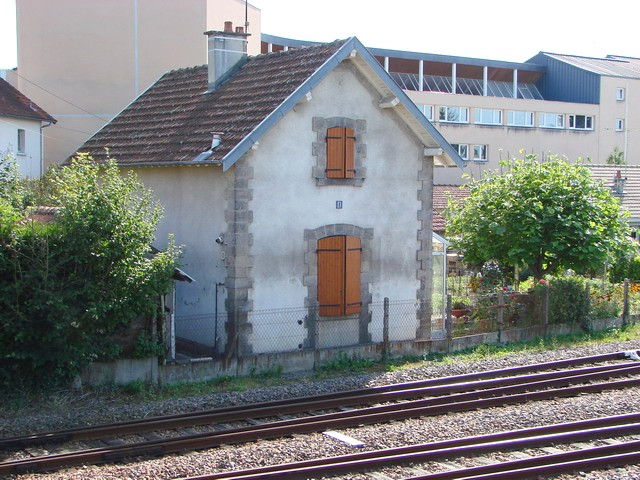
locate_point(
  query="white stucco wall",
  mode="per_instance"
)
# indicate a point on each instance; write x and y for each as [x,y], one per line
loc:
[286,201]
[193,201]
[29,162]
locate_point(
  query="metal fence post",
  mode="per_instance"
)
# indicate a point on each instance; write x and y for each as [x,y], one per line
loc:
[316,343]
[625,303]
[500,315]
[385,328]
[448,324]
[545,311]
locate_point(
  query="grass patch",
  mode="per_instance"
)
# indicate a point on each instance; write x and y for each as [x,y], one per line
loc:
[342,365]
[484,351]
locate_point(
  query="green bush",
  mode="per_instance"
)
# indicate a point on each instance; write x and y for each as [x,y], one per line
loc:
[568,300]
[66,286]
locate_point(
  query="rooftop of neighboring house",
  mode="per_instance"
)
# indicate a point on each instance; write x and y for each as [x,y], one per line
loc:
[611,65]
[531,75]
[15,104]
[624,181]
[175,119]
[441,196]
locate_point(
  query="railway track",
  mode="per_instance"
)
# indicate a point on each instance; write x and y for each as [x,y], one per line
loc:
[582,457]
[312,414]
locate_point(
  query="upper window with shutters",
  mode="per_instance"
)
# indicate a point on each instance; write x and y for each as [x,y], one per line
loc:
[339,151]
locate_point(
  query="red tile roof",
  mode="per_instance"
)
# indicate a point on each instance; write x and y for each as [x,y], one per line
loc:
[41,214]
[441,195]
[14,104]
[174,120]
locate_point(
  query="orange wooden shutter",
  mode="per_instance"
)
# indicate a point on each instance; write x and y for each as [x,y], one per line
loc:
[335,152]
[349,153]
[341,148]
[331,276]
[352,275]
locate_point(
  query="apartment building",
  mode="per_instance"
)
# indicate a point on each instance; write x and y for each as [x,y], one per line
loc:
[492,110]
[84,61]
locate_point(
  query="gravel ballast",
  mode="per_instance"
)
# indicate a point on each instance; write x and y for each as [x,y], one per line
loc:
[71,411]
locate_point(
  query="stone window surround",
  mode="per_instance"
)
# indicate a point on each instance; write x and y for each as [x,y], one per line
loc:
[310,280]
[320,125]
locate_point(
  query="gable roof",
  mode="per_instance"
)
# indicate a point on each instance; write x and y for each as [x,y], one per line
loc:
[630,198]
[173,122]
[13,103]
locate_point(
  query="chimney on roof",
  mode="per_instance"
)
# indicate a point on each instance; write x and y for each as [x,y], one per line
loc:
[227,50]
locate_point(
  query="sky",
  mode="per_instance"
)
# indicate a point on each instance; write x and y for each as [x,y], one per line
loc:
[488,29]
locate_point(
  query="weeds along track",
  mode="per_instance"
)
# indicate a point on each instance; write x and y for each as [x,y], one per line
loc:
[206,429]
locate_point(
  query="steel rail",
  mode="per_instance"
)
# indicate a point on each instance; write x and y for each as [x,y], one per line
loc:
[597,458]
[278,429]
[509,440]
[275,407]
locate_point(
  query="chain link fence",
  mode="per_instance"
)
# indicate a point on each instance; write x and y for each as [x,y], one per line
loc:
[490,312]
[299,329]
[294,329]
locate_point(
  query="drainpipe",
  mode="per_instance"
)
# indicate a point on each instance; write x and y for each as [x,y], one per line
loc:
[42,146]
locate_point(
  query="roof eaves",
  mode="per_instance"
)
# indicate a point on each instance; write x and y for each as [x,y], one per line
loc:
[410,106]
[305,87]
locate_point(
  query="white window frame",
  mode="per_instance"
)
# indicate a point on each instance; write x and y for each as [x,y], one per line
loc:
[488,116]
[620,94]
[588,122]
[427,111]
[22,137]
[462,149]
[443,114]
[480,153]
[551,120]
[527,118]
[619,124]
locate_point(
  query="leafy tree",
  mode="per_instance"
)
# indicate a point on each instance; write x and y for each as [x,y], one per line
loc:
[66,286]
[546,216]
[616,157]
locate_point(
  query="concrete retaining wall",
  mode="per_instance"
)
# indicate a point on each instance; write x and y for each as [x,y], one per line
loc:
[147,370]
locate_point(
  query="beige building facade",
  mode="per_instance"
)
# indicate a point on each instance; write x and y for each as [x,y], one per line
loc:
[86,60]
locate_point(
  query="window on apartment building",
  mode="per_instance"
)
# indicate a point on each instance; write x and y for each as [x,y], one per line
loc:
[454,114]
[427,111]
[551,120]
[488,116]
[619,125]
[479,153]
[339,275]
[581,122]
[341,143]
[619,94]
[520,119]
[462,149]
[21,141]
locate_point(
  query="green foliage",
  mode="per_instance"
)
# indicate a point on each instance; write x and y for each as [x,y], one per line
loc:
[65,286]
[546,216]
[626,264]
[616,157]
[492,277]
[146,346]
[346,363]
[568,300]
